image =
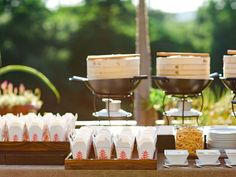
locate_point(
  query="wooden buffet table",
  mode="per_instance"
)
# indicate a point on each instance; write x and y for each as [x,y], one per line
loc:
[58,171]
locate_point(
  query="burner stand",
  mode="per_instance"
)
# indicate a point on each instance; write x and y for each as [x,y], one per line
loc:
[112,110]
[233,102]
[183,109]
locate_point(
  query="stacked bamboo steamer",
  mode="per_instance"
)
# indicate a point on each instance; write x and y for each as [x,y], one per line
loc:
[183,65]
[113,66]
[229,67]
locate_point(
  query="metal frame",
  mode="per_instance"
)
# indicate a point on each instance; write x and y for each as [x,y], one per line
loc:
[108,109]
[184,98]
[233,102]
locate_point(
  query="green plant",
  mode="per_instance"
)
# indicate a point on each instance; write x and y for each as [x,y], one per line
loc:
[155,99]
[30,70]
[217,107]
[11,96]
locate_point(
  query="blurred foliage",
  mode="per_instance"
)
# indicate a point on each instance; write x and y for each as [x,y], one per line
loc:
[217,108]
[29,70]
[155,99]
[217,21]
[57,42]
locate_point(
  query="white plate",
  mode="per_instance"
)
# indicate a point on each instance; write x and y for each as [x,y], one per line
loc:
[222,131]
[225,142]
[221,146]
[222,140]
[198,162]
[169,164]
[177,112]
[222,137]
[227,162]
[225,146]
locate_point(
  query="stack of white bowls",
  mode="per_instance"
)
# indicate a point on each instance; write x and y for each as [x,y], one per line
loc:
[222,138]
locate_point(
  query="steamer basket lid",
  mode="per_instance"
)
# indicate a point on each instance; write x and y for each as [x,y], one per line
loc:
[113,56]
[167,54]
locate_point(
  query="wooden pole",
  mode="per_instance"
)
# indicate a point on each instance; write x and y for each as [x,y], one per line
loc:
[141,114]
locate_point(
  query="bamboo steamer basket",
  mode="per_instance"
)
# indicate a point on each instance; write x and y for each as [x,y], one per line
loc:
[183,72]
[186,67]
[229,65]
[183,65]
[183,60]
[229,68]
[113,66]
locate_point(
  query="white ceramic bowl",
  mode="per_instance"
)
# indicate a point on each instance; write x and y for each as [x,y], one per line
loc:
[176,157]
[231,154]
[208,156]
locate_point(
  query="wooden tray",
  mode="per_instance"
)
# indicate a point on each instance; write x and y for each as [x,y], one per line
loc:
[33,153]
[111,164]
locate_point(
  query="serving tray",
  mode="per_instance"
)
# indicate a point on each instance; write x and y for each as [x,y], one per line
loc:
[111,164]
[33,153]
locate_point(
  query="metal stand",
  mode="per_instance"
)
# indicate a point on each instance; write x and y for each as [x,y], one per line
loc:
[108,109]
[233,102]
[183,98]
[112,110]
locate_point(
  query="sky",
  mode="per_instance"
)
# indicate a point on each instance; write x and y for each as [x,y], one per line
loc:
[170,6]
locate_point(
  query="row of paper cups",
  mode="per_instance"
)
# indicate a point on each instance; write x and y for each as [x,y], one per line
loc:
[32,127]
[104,139]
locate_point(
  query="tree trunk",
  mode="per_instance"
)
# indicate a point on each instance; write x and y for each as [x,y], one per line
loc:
[142,115]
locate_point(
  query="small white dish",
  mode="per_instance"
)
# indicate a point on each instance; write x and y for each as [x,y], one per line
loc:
[208,156]
[231,154]
[177,157]
[167,163]
[200,163]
